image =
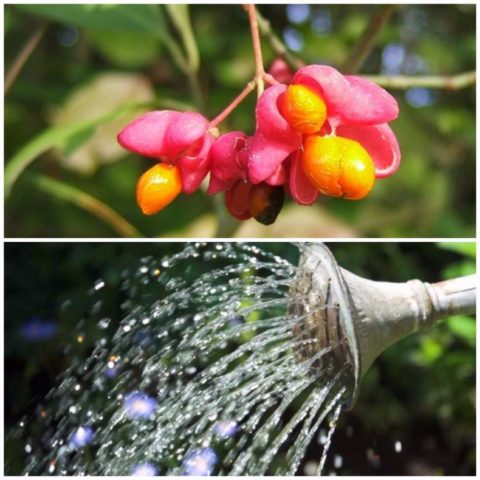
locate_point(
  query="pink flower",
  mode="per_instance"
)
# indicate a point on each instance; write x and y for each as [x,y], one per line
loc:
[274,139]
[229,163]
[229,157]
[356,108]
[177,138]
[229,172]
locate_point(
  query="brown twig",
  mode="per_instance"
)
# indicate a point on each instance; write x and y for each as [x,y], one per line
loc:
[260,77]
[367,41]
[270,79]
[257,48]
[446,82]
[401,82]
[234,104]
[23,56]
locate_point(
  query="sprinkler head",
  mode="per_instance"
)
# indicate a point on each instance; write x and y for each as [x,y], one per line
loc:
[342,322]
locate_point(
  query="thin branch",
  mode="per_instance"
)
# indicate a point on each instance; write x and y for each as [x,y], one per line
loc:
[401,82]
[234,104]
[446,82]
[277,46]
[23,56]
[87,202]
[367,41]
[270,79]
[257,48]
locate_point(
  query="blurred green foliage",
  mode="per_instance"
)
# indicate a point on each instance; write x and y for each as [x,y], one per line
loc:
[420,392]
[432,195]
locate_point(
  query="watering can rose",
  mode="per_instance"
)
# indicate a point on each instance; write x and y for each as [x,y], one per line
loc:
[324,133]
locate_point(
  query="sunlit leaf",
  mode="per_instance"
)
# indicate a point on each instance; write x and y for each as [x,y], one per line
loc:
[430,350]
[459,269]
[464,327]
[464,248]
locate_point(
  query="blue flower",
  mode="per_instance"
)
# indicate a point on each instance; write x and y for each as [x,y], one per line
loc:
[144,470]
[81,437]
[226,428]
[139,405]
[38,330]
[111,372]
[200,462]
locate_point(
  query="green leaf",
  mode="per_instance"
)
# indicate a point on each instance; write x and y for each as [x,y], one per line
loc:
[459,269]
[463,248]
[430,350]
[87,202]
[179,14]
[464,327]
[127,17]
[126,49]
[77,140]
[65,137]
[138,18]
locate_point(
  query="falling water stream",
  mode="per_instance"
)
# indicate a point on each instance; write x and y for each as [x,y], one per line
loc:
[204,379]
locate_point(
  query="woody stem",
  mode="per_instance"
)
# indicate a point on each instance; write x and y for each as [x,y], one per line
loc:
[234,104]
[261,77]
[257,48]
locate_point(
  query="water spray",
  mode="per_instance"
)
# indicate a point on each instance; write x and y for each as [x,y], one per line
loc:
[353,319]
[228,360]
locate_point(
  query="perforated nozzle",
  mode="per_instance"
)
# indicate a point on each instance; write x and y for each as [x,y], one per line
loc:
[344,321]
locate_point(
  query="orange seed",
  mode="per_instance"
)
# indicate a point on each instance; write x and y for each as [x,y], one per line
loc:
[338,166]
[304,109]
[158,187]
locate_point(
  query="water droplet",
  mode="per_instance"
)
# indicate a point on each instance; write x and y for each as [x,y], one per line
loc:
[104,323]
[322,437]
[310,468]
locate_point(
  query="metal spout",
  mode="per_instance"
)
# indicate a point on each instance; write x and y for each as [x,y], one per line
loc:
[346,321]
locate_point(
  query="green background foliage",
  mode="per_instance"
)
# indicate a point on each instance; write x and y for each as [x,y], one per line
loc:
[420,392]
[432,195]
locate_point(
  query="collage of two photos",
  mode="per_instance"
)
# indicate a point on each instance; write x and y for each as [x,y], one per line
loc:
[239,239]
